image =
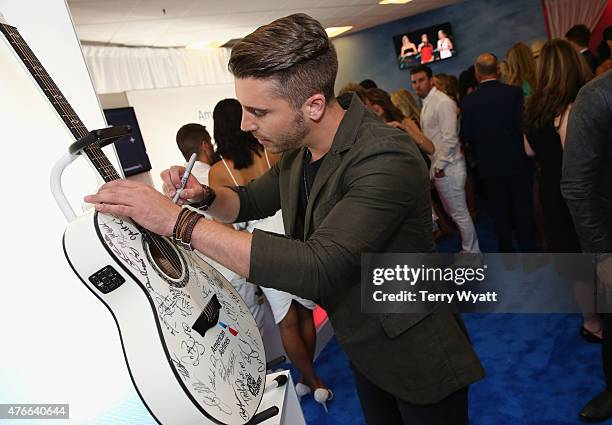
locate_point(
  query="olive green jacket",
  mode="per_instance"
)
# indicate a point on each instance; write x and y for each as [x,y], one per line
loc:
[371,194]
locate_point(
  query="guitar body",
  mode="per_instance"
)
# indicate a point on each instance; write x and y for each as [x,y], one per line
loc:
[187,359]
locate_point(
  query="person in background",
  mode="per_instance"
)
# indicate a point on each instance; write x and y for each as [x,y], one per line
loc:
[561,73]
[445,45]
[580,37]
[467,83]
[536,48]
[368,84]
[379,102]
[405,102]
[351,88]
[194,138]
[448,171]
[521,68]
[447,84]
[426,49]
[491,122]
[504,71]
[440,82]
[587,173]
[408,47]
[605,52]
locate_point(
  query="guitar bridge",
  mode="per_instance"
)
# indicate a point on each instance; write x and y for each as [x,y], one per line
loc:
[208,317]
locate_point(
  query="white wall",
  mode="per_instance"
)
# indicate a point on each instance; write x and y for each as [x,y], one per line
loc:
[161,112]
[59,343]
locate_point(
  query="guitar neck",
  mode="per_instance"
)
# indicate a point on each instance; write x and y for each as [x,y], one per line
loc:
[93,152]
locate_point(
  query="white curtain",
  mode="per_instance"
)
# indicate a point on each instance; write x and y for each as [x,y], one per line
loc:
[119,69]
[564,14]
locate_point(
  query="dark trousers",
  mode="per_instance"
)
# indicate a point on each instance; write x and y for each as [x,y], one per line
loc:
[382,408]
[511,200]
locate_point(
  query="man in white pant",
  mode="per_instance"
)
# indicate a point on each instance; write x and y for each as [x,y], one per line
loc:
[439,124]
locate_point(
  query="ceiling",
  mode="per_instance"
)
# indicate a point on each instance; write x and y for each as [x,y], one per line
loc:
[179,23]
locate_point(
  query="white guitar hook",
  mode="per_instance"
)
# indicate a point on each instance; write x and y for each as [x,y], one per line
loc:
[56,186]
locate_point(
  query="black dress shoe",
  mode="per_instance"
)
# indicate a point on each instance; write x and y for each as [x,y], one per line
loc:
[598,409]
[589,336]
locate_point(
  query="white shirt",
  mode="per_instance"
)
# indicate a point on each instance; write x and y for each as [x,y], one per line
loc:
[439,124]
[200,171]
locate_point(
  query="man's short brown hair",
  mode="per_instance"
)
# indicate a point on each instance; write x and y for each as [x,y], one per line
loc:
[189,139]
[295,51]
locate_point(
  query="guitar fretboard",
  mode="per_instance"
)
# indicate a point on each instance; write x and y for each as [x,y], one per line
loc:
[58,101]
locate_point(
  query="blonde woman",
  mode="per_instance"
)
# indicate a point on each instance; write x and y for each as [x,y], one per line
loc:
[521,68]
[408,47]
[405,102]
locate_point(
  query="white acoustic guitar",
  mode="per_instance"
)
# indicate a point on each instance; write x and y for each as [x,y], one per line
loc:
[193,350]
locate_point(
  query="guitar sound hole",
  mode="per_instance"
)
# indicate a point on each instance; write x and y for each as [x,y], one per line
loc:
[165,258]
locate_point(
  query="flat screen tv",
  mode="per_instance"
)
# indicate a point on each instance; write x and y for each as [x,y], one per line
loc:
[424,46]
[130,149]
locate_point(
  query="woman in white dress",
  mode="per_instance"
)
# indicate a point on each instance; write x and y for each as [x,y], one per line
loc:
[244,159]
[445,45]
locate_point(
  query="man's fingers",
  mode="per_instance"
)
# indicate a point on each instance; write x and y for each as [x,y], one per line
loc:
[187,194]
[110,195]
[113,209]
[169,190]
[176,172]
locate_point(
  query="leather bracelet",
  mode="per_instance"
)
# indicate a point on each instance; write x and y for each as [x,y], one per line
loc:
[207,200]
[185,235]
[175,231]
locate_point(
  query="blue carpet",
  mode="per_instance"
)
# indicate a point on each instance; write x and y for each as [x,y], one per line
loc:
[539,370]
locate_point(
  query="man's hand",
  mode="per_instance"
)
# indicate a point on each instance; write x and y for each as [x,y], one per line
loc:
[141,202]
[192,192]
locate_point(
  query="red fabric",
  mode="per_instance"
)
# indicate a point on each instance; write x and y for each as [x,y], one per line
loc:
[546,19]
[605,21]
[426,53]
[564,14]
[319,316]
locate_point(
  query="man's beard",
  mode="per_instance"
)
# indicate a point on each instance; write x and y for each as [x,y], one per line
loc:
[291,140]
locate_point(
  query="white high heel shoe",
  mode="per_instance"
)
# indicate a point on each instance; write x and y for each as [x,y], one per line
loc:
[322,396]
[302,389]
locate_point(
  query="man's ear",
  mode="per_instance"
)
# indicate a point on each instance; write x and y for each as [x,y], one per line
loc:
[315,106]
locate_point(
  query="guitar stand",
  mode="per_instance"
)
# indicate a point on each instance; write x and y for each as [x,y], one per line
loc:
[100,137]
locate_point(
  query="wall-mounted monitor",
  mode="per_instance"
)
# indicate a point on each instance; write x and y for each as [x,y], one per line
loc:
[424,46]
[131,148]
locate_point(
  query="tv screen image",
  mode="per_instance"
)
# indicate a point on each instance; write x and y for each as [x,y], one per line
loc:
[130,149]
[424,46]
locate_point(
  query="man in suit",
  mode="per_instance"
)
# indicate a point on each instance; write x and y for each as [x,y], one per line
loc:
[347,184]
[491,122]
[580,37]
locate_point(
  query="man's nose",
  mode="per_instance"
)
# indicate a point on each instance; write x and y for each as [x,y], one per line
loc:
[247,124]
